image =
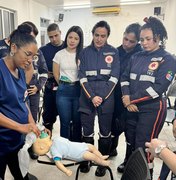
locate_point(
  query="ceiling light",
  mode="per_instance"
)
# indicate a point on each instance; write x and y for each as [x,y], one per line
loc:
[132,2]
[77,6]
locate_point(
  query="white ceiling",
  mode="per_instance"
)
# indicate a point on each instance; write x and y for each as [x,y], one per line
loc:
[59,4]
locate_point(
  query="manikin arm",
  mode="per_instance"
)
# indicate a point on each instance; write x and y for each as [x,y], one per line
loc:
[60,166]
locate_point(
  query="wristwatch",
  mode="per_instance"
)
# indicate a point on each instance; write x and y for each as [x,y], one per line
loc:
[159,149]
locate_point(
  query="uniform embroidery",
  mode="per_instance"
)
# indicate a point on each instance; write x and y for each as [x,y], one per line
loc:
[157,59]
[153,66]
[109,59]
[109,53]
[169,75]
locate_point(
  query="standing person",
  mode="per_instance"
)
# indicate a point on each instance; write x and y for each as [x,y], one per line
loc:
[65,70]
[99,73]
[15,116]
[49,99]
[39,78]
[145,80]
[129,47]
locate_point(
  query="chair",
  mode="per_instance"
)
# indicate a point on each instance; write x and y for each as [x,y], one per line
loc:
[92,164]
[171,93]
[46,159]
[136,167]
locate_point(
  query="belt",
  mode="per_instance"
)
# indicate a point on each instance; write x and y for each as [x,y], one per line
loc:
[69,83]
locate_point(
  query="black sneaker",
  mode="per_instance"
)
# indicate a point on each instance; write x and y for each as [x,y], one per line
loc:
[113,153]
[121,167]
[30,177]
[85,167]
[101,171]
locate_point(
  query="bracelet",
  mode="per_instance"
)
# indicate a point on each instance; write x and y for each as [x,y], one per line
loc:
[159,149]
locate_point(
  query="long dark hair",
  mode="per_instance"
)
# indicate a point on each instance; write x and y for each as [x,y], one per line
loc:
[78,31]
[157,28]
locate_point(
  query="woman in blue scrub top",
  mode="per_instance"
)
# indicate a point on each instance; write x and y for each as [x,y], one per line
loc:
[15,116]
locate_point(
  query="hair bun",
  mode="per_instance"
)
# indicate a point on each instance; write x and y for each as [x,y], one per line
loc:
[146,20]
[24,28]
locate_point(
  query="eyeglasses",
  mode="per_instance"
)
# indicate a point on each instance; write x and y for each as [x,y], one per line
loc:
[30,55]
[131,41]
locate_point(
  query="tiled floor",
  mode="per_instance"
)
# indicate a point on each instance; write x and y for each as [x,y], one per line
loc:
[48,172]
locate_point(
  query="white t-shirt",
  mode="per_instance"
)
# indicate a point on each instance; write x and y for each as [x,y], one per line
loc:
[68,67]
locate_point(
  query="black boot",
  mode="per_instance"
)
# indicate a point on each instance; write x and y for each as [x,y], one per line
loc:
[104,145]
[85,166]
[100,171]
[121,167]
[30,177]
[129,151]
[49,126]
[114,143]
[32,154]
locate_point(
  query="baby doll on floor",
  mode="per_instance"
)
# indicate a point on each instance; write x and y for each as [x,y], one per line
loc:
[62,148]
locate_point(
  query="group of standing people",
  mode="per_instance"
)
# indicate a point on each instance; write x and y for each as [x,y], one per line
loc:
[123,86]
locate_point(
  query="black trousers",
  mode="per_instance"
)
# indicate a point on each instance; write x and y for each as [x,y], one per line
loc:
[104,122]
[11,160]
[34,105]
[146,124]
[49,108]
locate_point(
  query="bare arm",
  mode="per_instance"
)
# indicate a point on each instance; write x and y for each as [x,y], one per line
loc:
[22,128]
[56,71]
[65,170]
[166,154]
[169,158]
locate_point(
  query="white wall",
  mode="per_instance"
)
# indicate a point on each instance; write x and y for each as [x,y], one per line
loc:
[85,19]
[170,24]
[28,10]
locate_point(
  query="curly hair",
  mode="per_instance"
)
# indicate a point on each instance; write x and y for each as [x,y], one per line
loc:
[157,28]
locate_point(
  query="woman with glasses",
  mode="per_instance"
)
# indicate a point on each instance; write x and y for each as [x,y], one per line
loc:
[15,117]
[39,78]
[145,80]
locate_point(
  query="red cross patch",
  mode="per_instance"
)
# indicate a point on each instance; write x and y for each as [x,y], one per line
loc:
[153,65]
[109,59]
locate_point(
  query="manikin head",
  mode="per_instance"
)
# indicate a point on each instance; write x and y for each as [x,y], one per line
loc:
[42,144]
